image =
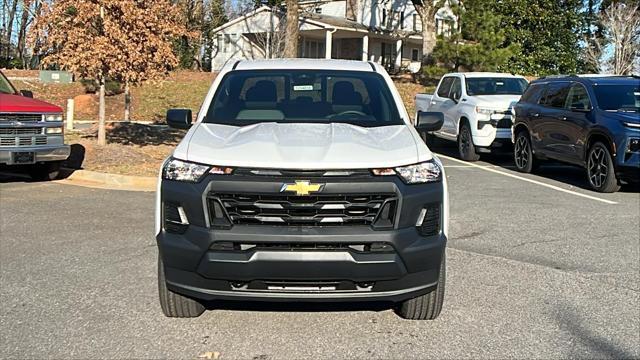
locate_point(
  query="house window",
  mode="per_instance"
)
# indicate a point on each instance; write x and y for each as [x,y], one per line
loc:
[402,20]
[384,17]
[318,10]
[415,54]
[415,22]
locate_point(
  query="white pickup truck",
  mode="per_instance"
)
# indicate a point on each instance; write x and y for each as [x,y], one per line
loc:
[477,109]
[302,180]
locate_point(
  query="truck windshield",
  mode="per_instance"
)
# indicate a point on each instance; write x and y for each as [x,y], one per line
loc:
[495,86]
[5,85]
[290,96]
[618,97]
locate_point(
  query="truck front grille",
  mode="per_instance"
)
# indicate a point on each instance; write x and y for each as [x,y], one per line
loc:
[316,210]
[23,140]
[505,123]
[21,131]
[20,117]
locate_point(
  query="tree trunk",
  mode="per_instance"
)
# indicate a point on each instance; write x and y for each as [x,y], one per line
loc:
[427,11]
[22,34]
[102,136]
[9,26]
[127,102]
[291,39]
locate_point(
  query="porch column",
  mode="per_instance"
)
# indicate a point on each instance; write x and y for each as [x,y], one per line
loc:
[328,42]
[398,54]
[365,48]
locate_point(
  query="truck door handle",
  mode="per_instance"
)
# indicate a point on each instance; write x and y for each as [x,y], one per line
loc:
[433,103]
[535,115]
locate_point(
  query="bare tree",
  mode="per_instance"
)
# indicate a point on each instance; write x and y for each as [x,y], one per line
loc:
[427,10]
[271,43]
[291,38]
[618,50]
[622,27]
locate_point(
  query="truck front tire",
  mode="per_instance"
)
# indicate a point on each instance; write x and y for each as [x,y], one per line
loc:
[173,304]
[427,306]
[465,144]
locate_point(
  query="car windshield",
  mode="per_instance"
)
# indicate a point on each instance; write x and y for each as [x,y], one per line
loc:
[618,97]
[495,86]
[291,96]
[5,85]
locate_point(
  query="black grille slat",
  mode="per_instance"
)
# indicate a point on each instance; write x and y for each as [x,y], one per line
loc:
[21,117]
[431,223]
[314,210]
[21,131]
[505,123]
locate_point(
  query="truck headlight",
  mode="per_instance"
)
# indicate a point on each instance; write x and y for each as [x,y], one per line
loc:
[53,117]
[486,112]
[631,125]
[421,173]
[179,170]
[53,130]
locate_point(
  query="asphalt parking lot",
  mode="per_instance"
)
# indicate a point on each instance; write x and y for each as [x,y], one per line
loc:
[538,267]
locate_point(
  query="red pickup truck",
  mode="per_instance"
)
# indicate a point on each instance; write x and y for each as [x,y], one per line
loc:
[31,133]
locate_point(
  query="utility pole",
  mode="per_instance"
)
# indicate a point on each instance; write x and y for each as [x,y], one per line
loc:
[102,136]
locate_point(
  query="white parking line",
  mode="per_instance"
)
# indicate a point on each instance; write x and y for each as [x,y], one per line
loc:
[490,169]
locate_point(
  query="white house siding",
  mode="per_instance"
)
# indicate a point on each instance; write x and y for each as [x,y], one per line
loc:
[372,12]
[333,8]
[238,47]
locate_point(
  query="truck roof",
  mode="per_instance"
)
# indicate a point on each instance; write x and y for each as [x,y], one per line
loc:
[485,74]
[303,64]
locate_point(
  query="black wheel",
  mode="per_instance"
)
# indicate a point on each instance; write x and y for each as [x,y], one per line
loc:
[45,172]
[600,170]
[523,153]
[427,306]
[176,305]
[465,144]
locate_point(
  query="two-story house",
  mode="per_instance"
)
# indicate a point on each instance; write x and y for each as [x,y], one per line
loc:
[383,31]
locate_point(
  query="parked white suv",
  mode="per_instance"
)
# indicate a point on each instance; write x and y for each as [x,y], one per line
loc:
[302,180]
[477,109]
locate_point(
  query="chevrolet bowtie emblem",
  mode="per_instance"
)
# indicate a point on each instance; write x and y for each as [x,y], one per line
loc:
[301,187]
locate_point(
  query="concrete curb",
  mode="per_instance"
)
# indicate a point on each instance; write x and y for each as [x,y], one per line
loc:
[101,180]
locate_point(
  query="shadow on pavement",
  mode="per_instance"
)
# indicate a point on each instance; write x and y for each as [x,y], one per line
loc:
[599,347]
[298,306]
[550,169]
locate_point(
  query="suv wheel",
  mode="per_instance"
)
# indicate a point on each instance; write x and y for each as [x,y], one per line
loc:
[465,144]
[173,304]
[427,306]
[600,170]
[523,154]
[45,172]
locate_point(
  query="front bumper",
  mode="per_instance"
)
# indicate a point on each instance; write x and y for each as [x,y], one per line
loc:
[42,153]
[320,266]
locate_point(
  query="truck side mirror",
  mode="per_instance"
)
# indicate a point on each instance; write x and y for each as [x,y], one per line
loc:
[179,118]
[26,93]
[429,121]
[456,96]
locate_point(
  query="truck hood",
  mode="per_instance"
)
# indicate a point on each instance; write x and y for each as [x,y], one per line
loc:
[498,102]
[10,103]
[300,146]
